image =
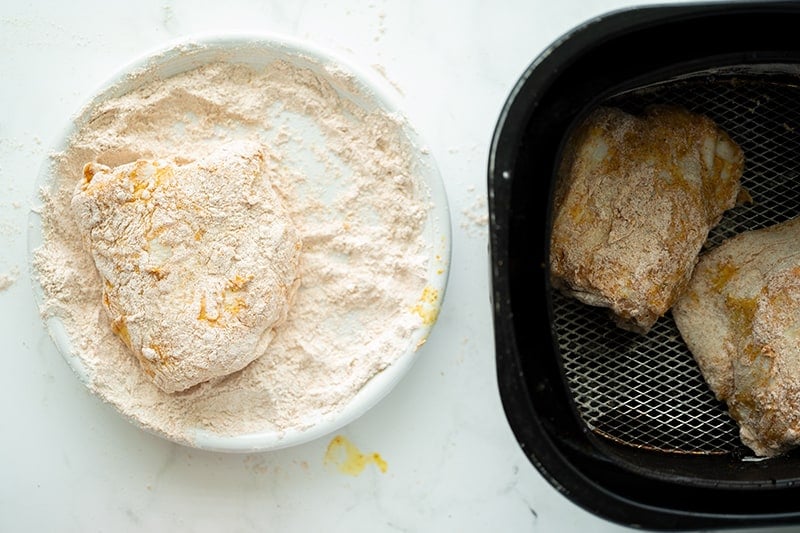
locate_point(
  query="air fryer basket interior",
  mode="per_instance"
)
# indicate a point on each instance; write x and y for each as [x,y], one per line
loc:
[624,424]
[646,390]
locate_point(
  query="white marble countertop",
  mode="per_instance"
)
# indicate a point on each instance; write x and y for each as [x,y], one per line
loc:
[72,464]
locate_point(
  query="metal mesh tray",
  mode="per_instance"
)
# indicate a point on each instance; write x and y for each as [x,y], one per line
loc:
[646,390]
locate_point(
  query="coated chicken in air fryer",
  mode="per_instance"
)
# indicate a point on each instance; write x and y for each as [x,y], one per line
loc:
[740,318]
[635,200]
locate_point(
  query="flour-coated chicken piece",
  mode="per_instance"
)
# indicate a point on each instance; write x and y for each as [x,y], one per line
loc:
[740,318]
[635,200]
[199,261]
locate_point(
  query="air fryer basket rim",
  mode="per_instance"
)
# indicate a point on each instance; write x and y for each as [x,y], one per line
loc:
[537,406]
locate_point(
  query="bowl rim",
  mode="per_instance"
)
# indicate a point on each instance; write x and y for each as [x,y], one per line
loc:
[369,83]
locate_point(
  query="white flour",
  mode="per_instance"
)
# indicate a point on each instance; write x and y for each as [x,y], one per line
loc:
[7,280]
[199,262]
[357,201]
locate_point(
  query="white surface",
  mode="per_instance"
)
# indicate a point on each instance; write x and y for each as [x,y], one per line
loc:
[72,464]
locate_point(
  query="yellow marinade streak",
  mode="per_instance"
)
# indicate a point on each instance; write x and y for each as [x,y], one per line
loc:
[426,307]
[349,459]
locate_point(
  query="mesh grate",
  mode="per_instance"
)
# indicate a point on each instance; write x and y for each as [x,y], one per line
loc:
[646,390]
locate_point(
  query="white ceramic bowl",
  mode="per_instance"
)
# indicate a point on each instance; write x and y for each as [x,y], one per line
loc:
[373,90]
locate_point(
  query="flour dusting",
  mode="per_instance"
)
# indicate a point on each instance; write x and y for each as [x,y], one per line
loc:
[475,219]
[8,279]
[198,261]
[348,177]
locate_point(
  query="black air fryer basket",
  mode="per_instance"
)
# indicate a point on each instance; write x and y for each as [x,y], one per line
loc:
[623,424]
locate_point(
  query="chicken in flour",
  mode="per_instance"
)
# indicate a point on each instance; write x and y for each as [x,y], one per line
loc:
[199,260]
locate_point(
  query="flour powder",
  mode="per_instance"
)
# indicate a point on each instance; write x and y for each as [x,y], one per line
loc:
[347,175]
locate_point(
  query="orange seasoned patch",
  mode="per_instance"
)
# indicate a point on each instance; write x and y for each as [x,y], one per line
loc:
[348,459]
[120,327]
[203,314]
[723,275]
[427,306]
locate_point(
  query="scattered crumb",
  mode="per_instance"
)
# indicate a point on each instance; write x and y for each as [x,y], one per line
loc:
[381,27]
[380,69]
[8,279]
[256,464]
[8,229]
[475,217]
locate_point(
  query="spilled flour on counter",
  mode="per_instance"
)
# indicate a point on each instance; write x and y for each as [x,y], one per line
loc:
[8,279]
[348,178]
[475,216]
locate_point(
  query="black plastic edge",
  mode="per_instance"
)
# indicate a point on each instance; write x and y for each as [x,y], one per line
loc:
[548,456]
